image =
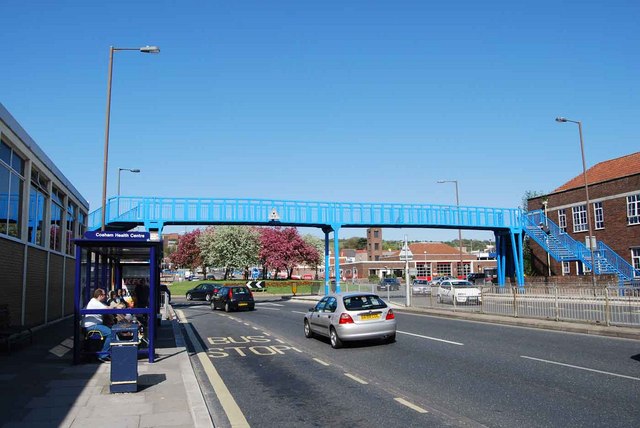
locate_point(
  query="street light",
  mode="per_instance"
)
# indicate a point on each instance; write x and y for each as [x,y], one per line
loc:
[586,191]
[125,169]
[459,221]
[144,49]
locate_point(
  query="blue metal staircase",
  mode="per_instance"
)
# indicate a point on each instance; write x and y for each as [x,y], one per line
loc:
[564,248]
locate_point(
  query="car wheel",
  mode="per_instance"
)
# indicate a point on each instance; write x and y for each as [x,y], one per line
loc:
[307,330]
[189,296]
[335,340]
[227,308]
[207,297]
[391,339]
[213,306]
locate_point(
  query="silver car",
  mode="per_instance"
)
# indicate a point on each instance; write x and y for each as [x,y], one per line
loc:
[353,316]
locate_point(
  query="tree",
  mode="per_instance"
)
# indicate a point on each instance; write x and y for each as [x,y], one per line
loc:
[231,247]
[314,251]
[187,255]
[281,249]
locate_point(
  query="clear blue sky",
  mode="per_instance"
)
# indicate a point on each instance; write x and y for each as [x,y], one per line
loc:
[297,99]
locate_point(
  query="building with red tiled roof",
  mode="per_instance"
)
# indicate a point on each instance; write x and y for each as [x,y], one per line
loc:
[614,196]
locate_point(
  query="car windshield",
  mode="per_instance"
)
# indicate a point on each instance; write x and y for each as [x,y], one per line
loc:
[462,284]
[361,303]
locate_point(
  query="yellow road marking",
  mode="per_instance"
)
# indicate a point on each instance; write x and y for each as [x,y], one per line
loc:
[231,408]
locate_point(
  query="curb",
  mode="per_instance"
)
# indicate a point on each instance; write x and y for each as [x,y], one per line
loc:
[195,398]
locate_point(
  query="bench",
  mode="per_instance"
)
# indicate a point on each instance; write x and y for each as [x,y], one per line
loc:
[10,334]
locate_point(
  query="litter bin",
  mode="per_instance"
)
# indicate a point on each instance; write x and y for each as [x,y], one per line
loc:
[124,357]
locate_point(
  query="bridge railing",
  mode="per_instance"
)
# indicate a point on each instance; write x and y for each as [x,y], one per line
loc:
[202,210]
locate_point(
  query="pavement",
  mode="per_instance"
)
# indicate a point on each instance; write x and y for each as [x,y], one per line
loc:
[40,386]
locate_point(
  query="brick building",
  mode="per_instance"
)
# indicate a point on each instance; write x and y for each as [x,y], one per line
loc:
[614,194]
[41,213]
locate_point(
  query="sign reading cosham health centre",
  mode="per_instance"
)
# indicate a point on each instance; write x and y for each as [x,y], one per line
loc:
[118,236]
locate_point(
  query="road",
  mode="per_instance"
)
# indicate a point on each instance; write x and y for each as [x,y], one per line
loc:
[440,372]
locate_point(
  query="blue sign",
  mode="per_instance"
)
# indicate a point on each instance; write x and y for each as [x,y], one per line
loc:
[110,235]
[254,273]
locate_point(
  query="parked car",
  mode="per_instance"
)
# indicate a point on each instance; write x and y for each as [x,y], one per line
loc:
[351,316]
[203,291]
[233,298]
[421,286]
[436,281]
[477,278]
[461,291]
[389,283]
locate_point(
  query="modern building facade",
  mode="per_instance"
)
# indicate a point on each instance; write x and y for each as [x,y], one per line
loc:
[41,213]
[614,196]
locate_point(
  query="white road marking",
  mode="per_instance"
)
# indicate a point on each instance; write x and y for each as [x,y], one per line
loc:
[431,338]
[231,408]
[271,309]
[321,362]
[357,379]
[580,368]
[279,341]
[298,312]
[268,303]
[410,405]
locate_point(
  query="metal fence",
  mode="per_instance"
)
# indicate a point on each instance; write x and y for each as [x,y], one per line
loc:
[611,305]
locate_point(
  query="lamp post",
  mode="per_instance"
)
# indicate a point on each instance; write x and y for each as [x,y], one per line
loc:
[586,191]
[144,49]
[459,230]
[136,171]
[545,202]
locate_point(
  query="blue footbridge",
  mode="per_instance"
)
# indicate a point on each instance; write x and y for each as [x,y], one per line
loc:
[508,224]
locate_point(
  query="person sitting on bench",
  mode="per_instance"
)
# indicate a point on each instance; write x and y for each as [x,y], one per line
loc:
[94,322]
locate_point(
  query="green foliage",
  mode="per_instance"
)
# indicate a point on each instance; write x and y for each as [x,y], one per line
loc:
[232,247]
[373,279]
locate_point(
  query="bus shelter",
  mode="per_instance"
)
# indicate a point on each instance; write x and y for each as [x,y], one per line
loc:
[114,260]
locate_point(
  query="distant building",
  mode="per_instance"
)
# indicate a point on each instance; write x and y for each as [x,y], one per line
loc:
[614,193]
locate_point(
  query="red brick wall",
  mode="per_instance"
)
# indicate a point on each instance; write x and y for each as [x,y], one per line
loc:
[12,256]
[617,234]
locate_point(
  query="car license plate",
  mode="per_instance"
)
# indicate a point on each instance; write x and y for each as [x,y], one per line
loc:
[242,304]
[369,316]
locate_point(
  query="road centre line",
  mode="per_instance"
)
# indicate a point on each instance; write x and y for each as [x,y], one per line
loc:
[410,405]
[298,312]
[431,338]
[321,362]
[357,379]
[231,408]
[271,309]
[269,303]
[579,368]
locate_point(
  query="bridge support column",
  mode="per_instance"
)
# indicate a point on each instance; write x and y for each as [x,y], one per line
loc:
[510,256]
[327,267]
[336,255]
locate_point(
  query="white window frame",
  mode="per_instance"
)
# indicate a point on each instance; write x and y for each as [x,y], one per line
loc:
[635,260]
[579,215]
[598,215]
[633,209]
[566,268]
[562,220]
